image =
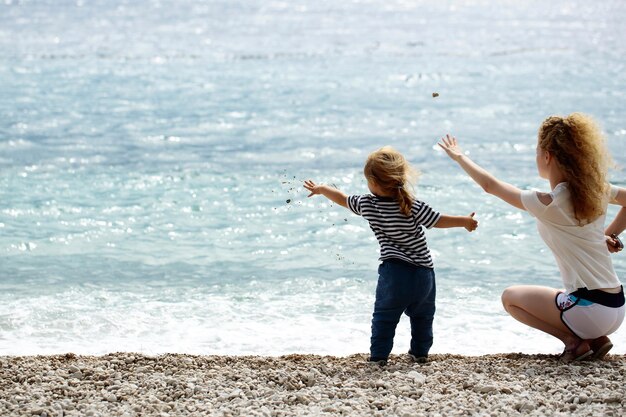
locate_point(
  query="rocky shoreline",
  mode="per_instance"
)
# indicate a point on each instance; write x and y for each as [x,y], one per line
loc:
[129,384]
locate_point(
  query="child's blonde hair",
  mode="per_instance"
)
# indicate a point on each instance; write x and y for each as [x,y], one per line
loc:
[577,144]
[393,174]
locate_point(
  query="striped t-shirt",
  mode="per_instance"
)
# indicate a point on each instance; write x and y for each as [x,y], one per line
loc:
[399,236]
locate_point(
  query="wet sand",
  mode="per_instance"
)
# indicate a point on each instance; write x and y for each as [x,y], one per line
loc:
[128,384]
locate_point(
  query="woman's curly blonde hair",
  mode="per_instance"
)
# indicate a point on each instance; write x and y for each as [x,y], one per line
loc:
[391,172]
[578,146]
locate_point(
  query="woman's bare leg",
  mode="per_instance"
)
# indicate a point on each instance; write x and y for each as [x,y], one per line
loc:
[535,306]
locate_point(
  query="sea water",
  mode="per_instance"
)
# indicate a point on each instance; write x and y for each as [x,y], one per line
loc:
[152,155]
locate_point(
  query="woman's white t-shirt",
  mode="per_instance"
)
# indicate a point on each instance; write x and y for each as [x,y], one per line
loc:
[580,251]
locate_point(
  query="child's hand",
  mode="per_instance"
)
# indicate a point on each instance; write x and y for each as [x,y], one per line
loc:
[471,224]
[313,188]
[331,193]
[453,150]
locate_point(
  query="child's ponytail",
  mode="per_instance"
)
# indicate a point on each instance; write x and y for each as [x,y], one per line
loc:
[405,199]
[390,171]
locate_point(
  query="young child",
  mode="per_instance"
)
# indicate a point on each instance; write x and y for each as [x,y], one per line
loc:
[406,279]
[572,156]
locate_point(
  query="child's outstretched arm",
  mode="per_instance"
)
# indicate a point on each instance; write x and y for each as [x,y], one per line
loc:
[330,193]
[468,222]
[503,190]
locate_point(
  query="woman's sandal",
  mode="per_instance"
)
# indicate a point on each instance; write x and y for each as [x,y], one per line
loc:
[600,347]
[577,354]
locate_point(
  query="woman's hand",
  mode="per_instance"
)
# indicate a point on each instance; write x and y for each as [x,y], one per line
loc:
[613,243]
[451,147]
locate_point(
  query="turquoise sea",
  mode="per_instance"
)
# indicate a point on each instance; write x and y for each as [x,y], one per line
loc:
[152,154]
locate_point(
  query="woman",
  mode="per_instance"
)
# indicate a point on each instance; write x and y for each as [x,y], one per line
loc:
[570,154]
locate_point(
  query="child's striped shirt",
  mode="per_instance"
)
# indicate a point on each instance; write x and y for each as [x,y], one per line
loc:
[399,236]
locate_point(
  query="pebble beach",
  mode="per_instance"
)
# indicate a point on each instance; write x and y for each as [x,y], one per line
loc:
[129,384]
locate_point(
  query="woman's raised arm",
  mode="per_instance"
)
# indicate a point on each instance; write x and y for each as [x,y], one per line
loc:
[503,190]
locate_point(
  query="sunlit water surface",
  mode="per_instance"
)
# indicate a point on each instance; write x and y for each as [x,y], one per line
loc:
[152,155]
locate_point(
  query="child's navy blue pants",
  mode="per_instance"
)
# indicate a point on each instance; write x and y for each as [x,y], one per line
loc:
[403,288]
